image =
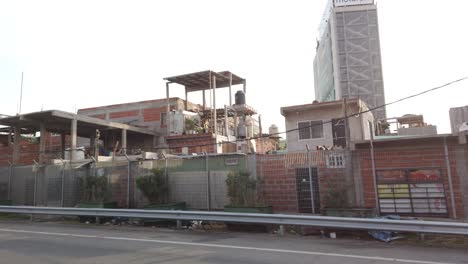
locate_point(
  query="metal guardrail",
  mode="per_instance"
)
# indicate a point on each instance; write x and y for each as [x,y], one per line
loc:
[417,226]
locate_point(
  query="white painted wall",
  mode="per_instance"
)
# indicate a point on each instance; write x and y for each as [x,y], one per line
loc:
[359,127]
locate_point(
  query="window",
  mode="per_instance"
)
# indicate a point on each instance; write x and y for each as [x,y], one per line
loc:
[335,161]
[310,129]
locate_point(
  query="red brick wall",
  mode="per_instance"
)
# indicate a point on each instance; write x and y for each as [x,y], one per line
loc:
[411,157]
[278,183]
[124,114]
[278,174]
[29,151]
[154,114]
[196,143]
[265,145]
[102,116]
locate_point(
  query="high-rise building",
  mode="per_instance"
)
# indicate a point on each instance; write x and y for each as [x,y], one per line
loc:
[348,61]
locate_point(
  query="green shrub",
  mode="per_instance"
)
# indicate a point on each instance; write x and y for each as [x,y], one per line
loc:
[336,194]
[94,188]
[154,186]
[242,190]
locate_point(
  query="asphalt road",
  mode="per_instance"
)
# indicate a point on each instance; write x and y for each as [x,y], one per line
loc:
[67,243]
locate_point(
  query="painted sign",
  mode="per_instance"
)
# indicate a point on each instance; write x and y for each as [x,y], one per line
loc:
[339,3]
[425,175]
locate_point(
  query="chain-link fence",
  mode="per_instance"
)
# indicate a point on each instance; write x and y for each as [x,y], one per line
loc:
[417,181]
[199,181]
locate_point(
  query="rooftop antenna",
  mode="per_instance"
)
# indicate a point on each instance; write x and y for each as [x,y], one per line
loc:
[21,93]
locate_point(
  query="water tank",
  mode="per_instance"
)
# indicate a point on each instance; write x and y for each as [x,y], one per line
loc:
[273,130]
[241,131]
[240,97]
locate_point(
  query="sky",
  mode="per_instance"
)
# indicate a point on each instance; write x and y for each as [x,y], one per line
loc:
[78,54]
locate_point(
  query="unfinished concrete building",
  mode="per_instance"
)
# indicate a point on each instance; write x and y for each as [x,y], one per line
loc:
[59,132]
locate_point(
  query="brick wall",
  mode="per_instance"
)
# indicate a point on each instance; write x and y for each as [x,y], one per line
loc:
[265,145]
[278,175]
[278,187]
[196,143]
[123,114]
[398,156]
[144,113]
[29,150]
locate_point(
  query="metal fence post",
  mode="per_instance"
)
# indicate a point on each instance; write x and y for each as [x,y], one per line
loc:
[374,174]
[35,182]
[449,174]
[208,187]
[128,179]
[312,198]
[128,182]
[62,197]
[10,171]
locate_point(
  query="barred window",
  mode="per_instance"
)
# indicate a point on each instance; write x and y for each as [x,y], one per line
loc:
[335,160]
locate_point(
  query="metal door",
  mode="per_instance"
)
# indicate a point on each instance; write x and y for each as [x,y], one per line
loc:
[304,195]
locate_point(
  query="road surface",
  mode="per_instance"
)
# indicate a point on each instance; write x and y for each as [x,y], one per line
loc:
[70,243]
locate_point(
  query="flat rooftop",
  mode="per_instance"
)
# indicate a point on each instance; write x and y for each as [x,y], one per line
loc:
[199,81]
[60,122]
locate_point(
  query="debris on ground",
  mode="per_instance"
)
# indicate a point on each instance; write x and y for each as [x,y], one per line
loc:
[387,236]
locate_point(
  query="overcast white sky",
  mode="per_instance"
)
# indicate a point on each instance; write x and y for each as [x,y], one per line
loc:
[78,54]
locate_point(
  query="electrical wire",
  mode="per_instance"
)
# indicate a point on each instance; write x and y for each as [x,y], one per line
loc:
[297,129]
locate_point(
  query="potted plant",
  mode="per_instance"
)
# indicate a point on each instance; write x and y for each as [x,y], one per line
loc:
[192,126]
[155,188]
[337,203]
[242,192]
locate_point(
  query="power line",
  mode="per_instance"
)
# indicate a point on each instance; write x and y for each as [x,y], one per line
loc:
[310,126]
[339,119]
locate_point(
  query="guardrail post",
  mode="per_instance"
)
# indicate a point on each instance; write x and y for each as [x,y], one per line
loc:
[281,230]
[421,236]
[179,224]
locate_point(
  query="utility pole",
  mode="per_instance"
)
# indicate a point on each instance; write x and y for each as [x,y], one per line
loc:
[21,94]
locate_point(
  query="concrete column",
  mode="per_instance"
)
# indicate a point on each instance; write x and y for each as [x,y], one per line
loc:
[73,128]
[230,92]
[245,91]
[124,141]
[62,144]
[42,142]
[186,99]
[16,145]
[204,100]
[167,98]
[226,121]
[92,145]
